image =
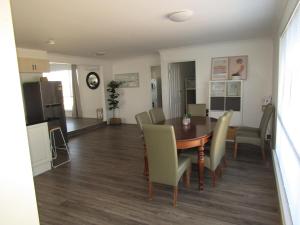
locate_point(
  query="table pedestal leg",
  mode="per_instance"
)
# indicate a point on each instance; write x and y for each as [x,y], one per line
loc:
[201,167]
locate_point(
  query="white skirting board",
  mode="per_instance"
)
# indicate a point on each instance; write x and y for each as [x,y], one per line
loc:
[283,202]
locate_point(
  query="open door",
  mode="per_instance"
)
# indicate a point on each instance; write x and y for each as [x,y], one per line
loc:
[182,89]
[175,102]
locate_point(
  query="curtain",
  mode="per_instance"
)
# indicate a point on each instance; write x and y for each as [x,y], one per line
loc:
[175,101]
[288,119]
[76,110]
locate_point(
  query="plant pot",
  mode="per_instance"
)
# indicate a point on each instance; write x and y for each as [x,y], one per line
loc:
[115,121]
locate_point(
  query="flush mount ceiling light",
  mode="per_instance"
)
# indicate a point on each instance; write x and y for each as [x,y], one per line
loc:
[100,53]
[181,16]
[50,42]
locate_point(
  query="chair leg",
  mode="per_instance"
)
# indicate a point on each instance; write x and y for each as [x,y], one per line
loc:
[220,168]
[213,178]
[263,152]
[187,175]
[146,169]
[224,161]
[235,150]
[175,193]
[150,191]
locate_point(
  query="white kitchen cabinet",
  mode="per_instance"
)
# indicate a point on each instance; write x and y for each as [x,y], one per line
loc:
[32,65]
[39,146]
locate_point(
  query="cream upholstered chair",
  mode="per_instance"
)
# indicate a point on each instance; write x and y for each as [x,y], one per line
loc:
[228,116]
[216,151]
[197,109]
[165,167]
[142,119]
[157,115]
[254,136]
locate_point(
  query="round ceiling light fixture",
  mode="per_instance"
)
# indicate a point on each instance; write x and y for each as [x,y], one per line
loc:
[100,53]
[51,42]
[181,16]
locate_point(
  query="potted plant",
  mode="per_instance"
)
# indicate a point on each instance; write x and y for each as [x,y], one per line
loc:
[113,102]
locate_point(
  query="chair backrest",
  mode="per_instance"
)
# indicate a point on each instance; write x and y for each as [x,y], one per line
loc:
[197,109]
[143,118]
[269,110]
[217,148]
[265,115]
[162,153]
[157,115]
[228,116]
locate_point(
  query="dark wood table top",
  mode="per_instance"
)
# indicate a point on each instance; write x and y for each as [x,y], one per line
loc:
[199,127]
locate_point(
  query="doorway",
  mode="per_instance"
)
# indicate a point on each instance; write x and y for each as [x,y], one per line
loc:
[182,88]
[156,92]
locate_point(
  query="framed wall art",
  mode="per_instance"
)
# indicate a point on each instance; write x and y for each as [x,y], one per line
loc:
[219,68]
[129,80]
[238,67]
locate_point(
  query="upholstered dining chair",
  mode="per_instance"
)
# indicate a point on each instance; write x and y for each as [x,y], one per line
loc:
[252,135]
[228,116]
[216,150]
[142,119]
[157,115]
[165,167]
[197,109]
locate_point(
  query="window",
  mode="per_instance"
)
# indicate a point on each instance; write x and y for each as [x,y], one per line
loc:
[63,73]
[288,120]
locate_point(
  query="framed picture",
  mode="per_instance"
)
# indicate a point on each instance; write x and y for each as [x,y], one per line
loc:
[219,68]
[238,67]
[129,80]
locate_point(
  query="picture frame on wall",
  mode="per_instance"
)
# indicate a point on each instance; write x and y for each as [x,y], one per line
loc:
[238,67]
[219,68]
[129,80]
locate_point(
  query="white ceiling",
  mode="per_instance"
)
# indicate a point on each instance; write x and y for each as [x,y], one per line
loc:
[134,27]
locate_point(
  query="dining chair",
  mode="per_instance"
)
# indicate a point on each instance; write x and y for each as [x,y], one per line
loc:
[197,109]
[228,116]
[157,115]
[142,119]
[254,136]
[216,150]
[165,167]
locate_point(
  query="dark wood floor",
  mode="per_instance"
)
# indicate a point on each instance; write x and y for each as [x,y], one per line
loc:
[104,184]
[78,126]
[74,124]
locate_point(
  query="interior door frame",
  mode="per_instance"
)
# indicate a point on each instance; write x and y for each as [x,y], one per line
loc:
[167,85]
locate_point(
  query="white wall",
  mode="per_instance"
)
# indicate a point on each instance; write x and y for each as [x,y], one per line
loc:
[17,194]
[257,85]
[90,99]
[135,100]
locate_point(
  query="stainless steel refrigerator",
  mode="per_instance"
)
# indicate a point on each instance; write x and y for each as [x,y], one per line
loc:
[44,103]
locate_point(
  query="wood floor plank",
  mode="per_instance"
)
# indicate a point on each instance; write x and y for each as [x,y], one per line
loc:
[104,184]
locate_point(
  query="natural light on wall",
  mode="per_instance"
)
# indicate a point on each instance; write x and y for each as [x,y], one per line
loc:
[62,72]
[288,114]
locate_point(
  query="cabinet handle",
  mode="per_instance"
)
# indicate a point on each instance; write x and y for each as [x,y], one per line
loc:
[35,66]
[32,67]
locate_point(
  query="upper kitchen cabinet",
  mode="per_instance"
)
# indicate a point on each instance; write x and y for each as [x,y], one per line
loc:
[32,61]
[31,65]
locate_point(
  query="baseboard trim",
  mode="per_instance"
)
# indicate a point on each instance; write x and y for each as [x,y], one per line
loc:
[283,202]
[41,168]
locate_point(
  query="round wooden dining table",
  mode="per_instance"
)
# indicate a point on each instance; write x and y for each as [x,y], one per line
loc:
[196,134]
